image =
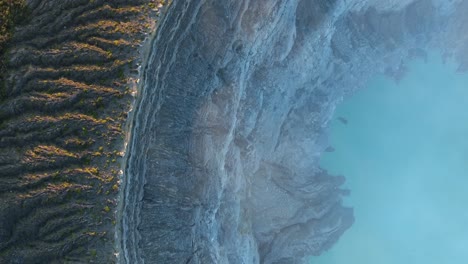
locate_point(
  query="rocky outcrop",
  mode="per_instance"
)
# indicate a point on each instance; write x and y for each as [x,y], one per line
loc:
[232,119]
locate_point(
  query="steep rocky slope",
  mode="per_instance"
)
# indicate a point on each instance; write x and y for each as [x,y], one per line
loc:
[65,93]
[232,120]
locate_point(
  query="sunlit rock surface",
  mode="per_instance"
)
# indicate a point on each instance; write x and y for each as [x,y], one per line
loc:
[233,115]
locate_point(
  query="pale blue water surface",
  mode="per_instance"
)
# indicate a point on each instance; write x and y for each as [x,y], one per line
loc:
[404,153]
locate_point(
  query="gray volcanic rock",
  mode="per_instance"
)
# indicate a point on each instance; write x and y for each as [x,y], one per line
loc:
[232,120]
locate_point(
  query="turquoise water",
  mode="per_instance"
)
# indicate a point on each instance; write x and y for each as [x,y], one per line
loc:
[404,152]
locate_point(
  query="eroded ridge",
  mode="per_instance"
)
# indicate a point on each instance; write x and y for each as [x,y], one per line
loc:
[66,96]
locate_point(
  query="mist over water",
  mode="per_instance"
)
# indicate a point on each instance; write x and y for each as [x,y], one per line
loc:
[404,152]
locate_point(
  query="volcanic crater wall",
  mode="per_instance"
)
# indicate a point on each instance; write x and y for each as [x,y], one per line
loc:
[232,120]
[225,135]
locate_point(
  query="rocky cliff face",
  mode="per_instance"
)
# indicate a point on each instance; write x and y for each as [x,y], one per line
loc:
[232,120]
